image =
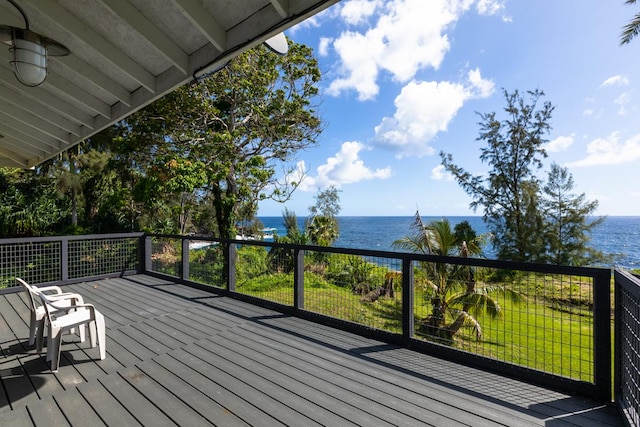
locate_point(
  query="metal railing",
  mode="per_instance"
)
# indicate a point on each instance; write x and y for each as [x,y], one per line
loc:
[548,325]
[627,348]
[66,259]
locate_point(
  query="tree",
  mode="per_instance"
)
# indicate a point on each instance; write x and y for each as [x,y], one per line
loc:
[455,298]
[509,194]
[322,223]
[567,221]
[630,31]
[244,125]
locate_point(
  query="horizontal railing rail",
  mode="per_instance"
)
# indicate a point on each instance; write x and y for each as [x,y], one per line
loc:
[627,348]
[67,259]
[546,324]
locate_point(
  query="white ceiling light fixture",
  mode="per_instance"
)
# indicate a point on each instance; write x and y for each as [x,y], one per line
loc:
[29,50]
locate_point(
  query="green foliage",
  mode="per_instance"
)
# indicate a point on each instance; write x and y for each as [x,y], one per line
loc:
[355,272]
[30,205]
[322,223]
[252,262]
[451,290]
[282,259]
[567,222]
[529,220]
[509,192]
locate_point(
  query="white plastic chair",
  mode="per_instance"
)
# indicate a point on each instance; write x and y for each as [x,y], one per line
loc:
[38,314]
[77,315]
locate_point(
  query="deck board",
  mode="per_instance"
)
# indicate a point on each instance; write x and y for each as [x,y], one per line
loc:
[181,355]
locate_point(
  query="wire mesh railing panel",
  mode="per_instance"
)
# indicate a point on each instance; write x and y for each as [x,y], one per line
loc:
[363,289]
[207,264]
[166,255]
[35,262]
[628,392]
[97,257]
[540,321]
[265,272]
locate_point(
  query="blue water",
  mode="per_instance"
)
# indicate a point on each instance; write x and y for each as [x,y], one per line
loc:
[619,235]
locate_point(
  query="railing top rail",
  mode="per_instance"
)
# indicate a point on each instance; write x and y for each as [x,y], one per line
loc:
[15,240]
[627,280]
[476,262]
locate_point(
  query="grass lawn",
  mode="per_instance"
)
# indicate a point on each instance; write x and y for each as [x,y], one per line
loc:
[538,333]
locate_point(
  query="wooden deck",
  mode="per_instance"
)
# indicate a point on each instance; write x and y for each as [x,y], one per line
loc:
[181,356]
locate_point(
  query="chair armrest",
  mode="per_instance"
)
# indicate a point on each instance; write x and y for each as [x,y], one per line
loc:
[65,296]
[72,307]
[49,288]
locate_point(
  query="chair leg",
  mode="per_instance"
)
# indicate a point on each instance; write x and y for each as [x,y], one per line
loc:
[102,343]
[40,337]
[33,327]
[92,333]
[55,340]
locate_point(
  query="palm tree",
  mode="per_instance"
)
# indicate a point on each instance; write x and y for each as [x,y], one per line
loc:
[630,30]
[455,298]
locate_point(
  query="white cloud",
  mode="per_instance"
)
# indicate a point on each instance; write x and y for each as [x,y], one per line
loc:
[610,151]
[425,108]
[561,143]
[588,112]
[401,42]
[345,167]
[622,101]
[323,46]
[492,7]
[616,81]
[440,174]
[355,12]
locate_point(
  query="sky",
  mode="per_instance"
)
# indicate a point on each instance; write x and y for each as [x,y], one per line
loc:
[404,80]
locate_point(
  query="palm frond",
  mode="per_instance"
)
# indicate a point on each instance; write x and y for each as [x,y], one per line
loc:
[630,31]
[478,303]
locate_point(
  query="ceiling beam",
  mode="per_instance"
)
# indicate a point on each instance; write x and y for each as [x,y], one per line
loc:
[113,54]
[32,125]
[28,105]
[282,7]
[149,31]
[94,77]
[81,96]
[47,99]
[205,23]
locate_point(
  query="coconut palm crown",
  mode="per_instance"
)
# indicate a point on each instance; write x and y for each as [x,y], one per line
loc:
[455,297]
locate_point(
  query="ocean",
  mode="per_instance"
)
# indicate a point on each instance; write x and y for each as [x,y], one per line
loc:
[618,235]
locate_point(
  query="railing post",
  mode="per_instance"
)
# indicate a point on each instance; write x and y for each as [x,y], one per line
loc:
[617,337]
[231,267]
[148,249]
[298,279]
[64,259]
[140,266]
[184,271]
[407,300]
[602,334]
